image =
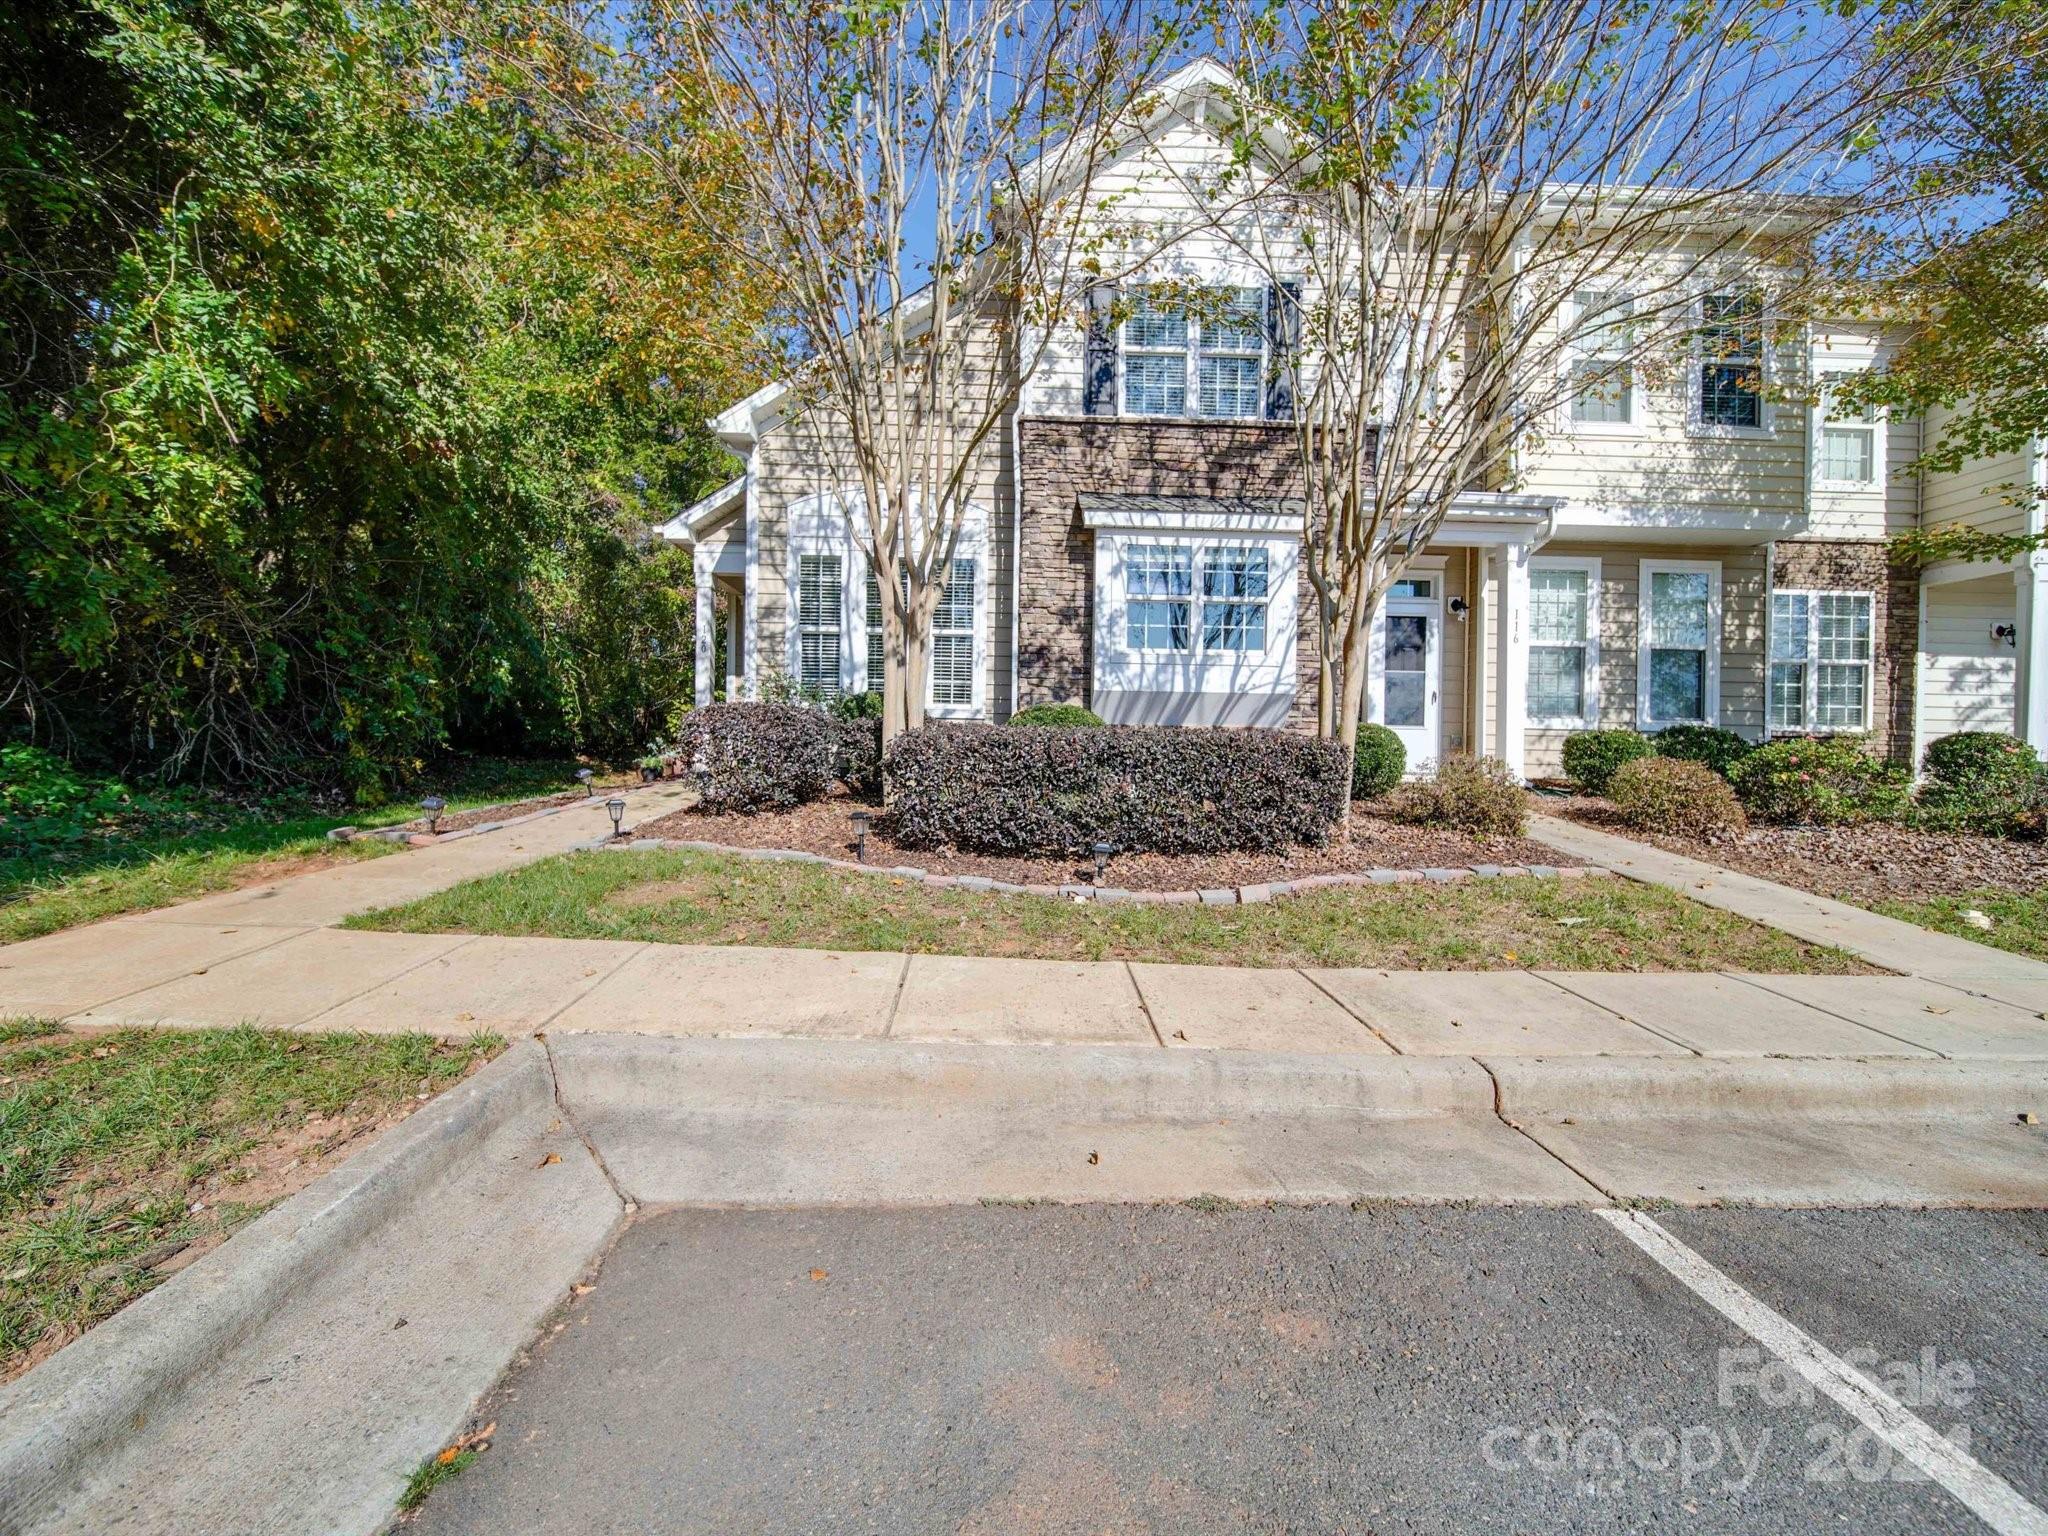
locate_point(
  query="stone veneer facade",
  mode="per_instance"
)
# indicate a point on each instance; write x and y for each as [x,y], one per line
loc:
[1061,458]
[1847,565]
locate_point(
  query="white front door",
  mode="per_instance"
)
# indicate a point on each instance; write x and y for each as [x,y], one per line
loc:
[1411,677]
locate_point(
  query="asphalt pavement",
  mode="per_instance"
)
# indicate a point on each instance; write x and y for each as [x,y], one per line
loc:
[1381,1369]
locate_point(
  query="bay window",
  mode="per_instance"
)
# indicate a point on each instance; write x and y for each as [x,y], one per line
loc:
[1164,610]
[1678,670]
[1821,660]
[1159,596]
[1564,642]
[1234,599]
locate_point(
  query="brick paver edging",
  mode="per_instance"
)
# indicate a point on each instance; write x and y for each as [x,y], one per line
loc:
[1220,896]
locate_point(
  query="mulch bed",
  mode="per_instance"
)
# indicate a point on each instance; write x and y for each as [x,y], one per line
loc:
[1854,864]
[822,827]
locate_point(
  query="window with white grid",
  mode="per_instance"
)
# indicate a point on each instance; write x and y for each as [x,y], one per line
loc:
[1230,366]
[953,638]
[1821,648]
[1603,393]
[873,608]
[1214,356]
[1564,645]
[1678,662]
[1155,359]
[1728,351]
[1158,594]
[1848,452]
[1234,599]
[819,602]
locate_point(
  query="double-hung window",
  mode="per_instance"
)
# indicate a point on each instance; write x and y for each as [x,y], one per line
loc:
[1849,454]
[876,641]
[1214,356]
[1603,393]
[1678,679]
[820,604]
[1820,660]
[1564,642]
[1167,609]
[952,640]
[1234,598]
[1728,362]
[1159,597]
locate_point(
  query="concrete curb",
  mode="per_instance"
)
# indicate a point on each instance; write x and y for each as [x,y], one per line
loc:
[1215,896]
[65,1424]
[1747,1087]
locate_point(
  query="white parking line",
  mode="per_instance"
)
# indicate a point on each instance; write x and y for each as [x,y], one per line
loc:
[1983,1492]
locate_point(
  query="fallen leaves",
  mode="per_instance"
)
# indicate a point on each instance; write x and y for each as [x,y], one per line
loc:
[475,1440]
[820,1275]
[548,1161]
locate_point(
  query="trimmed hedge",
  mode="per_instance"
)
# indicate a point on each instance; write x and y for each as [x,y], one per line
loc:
[1712,745]
[764,757]
[1983,781]
[1669,794]
[1378,763]
[1820,781]
[1469,794]
[1061,716]
[1590,757]
[1160,789]
[857,754]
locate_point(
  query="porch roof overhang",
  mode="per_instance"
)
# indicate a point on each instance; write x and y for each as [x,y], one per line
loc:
[1194,514]
[1486,518]
[700,517]
[1724,526]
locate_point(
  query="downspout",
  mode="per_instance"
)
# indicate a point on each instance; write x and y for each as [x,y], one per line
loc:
[1016,542]
[1770,607]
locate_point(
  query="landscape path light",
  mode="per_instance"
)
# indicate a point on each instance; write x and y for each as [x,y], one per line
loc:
[1102,851]
[434,805]
[583,778]
[860,836]
[618,809]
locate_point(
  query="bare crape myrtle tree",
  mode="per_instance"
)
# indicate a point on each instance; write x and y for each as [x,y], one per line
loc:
[1514,218]
[919,171]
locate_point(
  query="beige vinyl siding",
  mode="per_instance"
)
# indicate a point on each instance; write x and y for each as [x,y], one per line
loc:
[1974,495]
[1745,608]
[1892,506]
[809,455]
[1968,682]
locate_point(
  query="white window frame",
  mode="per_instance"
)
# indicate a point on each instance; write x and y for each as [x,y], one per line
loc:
[1191,354]
[1698,361]
[1117,667]
[835,606]
[1809,704]
[1874,428]
[1581,347]
[1589,718]
[1645,593]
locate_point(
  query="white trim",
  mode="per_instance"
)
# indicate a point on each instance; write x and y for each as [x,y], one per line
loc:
[1809,703]
[1696,359]
[1193,521]
[1432,727]
[1818,425]
[1589,718]
[1191,351]
[1712,683]
[1617,301]
[1117,668]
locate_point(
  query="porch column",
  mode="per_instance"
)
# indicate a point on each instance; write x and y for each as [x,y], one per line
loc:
[1510,664]
[707,644]
[2030,608]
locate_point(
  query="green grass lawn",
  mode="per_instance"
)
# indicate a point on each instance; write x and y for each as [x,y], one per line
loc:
[2020,922]
[173,847]
[680,897]
[120,1153]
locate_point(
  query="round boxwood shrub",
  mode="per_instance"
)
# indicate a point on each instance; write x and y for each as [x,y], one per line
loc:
[1820,781]
[1983,781]
[1674,796]
[1476,795]
[1059,716]
[1590,757]
[1715,746]
[1378,763]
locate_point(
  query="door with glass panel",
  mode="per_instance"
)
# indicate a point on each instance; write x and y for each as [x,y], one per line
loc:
[1411,678]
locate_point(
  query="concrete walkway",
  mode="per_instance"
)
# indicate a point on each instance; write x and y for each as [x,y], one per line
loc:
[1885,941]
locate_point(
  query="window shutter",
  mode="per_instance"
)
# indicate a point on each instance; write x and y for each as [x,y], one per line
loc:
[1098,382]
[1283,340]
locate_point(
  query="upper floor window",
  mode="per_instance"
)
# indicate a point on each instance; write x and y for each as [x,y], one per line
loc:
[1728,362]
[1847,454]
[1215,356]
[1603,392]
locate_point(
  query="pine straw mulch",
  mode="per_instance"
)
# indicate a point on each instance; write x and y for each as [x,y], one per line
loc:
[822,827]
[1855,864]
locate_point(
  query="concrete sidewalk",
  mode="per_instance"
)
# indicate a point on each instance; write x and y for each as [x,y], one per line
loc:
[456,985]
[1885,941]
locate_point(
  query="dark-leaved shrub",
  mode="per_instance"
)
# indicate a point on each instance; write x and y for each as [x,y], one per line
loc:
[1715,746]
[1590,757]
[1983,781]
[1477,795]
[1059,716]
[1819,781]
[857,754]
[1163,789]
[762,757]
[1379,762]
[1671,795]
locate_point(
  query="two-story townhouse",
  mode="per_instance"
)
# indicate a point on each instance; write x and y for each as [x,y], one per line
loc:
[1686,549]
